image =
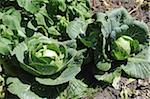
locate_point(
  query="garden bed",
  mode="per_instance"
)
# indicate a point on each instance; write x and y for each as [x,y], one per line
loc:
[74,49]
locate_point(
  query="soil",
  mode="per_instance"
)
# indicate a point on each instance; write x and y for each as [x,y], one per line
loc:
[138,88]
[137,10]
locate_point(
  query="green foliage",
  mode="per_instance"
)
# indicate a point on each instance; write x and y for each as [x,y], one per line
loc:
[44,43]
[24,93]
[76,27]
[123,39]
[40,55]
[29,36]
[119,37]
[103,66]
[109,77]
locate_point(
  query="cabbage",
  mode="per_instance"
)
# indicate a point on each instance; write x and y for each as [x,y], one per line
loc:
[41,56]
[123,46]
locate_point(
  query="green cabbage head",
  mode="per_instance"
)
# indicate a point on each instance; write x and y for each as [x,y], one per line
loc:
[42,56]
[123,47]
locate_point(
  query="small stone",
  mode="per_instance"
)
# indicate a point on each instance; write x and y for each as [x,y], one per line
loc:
[145,83]
[139,97]
[140,82]
[148,93]
[137,92]
[149,80]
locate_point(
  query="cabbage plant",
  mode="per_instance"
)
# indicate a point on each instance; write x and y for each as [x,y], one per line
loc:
[42,56]
[124,40]
[116,39]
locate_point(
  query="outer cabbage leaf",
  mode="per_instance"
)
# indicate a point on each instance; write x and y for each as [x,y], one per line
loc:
[80,8]
[113,21]
[121,15]
[67,75]
[52,30]
[19,51]
[76,89]
[73,68]
[4,49]
[32,6]
[15,86]
[109,77]
[139,66]
[8,20]
[76,27]
[59,4]
[138,31]
[103,66]
[5,46]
